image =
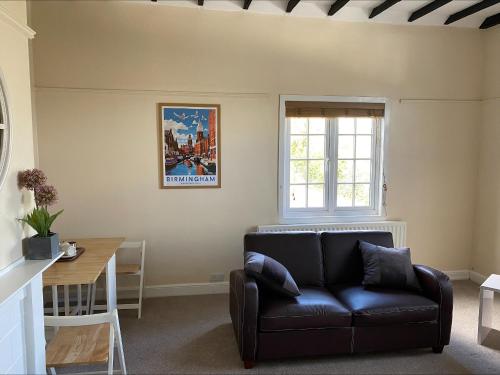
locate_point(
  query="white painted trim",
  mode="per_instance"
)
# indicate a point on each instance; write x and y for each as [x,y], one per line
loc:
[330,212]
[170,290]
[477,277]
[458,275]
[18,26]
[14,264]
[192,289]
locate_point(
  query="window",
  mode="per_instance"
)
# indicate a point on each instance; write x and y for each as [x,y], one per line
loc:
[330,157]
[4,135]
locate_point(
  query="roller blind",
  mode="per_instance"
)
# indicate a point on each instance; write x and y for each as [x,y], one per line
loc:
[333,109]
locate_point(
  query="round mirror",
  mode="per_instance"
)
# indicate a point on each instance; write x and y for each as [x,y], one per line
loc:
[4,134]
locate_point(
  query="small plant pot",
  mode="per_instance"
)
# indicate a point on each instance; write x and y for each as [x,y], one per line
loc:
[43,247]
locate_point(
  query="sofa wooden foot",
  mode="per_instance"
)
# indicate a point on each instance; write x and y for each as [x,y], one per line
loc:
[438,349]
[248,364]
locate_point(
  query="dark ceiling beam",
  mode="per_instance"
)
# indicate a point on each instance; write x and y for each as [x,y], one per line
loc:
[470,10]
[431,7]
[490,21]
[246,4]
[291,4]
[382,7]
[200,2]
[336,6]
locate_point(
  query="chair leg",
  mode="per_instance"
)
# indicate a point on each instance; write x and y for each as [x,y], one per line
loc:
[55,301]
[111,349]
[66,300]
[121,355]
[141,287]
[79,299]
[92,301]
[89,296]
[52,371]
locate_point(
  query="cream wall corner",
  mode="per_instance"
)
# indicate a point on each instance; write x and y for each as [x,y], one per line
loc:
[486,255]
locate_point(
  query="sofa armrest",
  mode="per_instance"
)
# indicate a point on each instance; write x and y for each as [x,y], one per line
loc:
[244,309]
[437,287]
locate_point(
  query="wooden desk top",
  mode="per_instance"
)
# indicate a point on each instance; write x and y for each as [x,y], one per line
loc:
[86,268]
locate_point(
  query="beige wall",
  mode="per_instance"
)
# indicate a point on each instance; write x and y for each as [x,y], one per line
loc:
[486,257]
[97,87]
[14,68]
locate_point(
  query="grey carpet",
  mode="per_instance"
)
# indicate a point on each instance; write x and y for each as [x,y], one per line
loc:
[193,334]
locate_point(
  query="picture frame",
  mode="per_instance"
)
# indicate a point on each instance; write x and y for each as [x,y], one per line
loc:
[189,146]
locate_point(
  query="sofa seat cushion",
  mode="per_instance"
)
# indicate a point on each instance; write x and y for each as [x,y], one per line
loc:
[383,306]
[315,308]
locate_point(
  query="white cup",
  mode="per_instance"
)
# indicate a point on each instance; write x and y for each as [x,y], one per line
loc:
[68,249]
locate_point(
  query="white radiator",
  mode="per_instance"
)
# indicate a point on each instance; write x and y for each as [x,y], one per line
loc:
[397,228]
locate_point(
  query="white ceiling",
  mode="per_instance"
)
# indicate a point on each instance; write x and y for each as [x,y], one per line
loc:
[355,10]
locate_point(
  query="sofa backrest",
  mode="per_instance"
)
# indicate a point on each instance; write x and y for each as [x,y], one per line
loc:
[299,252]
[342,257]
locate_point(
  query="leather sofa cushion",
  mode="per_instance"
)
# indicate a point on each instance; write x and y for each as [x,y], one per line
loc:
[342,256]
[299,252]
[314,308]
[382,306]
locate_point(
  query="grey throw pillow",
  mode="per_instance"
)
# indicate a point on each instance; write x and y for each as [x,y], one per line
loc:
[270,273]
[388,267]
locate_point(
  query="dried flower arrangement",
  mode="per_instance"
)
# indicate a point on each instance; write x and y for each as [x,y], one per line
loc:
[45,195]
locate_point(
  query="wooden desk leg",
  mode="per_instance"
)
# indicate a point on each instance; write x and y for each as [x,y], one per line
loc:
[485,314]
[55,301]
[66,300]
[111,284]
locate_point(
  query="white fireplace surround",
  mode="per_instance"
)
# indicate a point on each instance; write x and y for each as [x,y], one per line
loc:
[22,337]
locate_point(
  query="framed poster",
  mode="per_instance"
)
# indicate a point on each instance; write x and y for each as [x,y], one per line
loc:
[189,145]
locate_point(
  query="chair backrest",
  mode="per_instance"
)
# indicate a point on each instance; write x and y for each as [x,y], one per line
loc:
[132,252]
[299,252]
[342,258]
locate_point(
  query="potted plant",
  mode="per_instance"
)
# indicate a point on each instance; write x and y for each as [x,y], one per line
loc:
[45,244]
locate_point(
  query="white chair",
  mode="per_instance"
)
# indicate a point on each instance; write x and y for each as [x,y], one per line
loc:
[129,262]
[85,340]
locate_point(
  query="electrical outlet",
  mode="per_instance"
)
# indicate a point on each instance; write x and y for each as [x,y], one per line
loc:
[217,277]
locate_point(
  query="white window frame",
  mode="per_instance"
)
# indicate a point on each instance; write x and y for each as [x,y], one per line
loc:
[329,213]
[6,132]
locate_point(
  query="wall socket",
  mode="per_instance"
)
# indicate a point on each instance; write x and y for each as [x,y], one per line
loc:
[217,277]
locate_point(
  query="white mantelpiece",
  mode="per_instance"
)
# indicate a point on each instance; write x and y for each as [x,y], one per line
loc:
[22,337]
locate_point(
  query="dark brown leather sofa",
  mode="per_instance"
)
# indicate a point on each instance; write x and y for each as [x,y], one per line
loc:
[335,313]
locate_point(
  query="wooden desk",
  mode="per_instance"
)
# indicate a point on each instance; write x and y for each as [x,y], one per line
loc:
[99,254]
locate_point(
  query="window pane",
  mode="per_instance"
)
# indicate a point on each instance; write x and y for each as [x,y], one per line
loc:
[363,146]
[345,170]
[344,195]
[298,147]
[298,125]
[363,171]
[346,147]
[317,147]
[364,125]
[298,196]
[298,172]
[316,171]
[315,196]
[362,195]
[346,125]
[317,125]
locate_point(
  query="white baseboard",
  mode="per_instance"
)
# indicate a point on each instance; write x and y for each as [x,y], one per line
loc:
[477,277]
[191,289]
[458,275]
[170,290]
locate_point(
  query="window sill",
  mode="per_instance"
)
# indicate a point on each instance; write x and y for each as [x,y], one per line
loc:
[332,219]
